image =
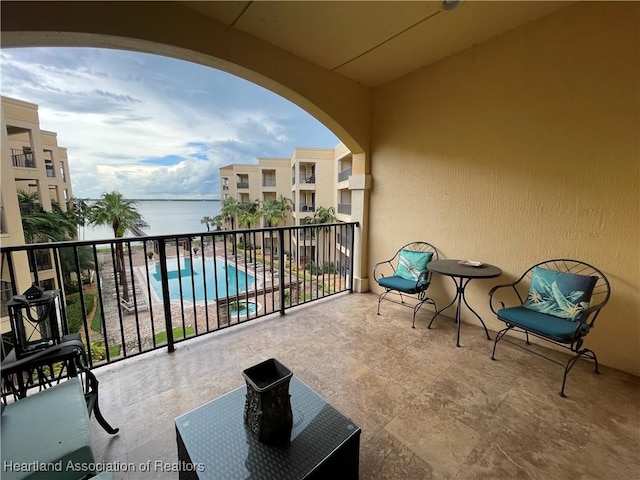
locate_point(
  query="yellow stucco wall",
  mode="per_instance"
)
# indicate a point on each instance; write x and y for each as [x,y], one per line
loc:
[521,149]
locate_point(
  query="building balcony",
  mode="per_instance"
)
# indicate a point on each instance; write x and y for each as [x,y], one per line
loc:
[307,207]
[22,158]
[137,281]
[242,185]
[344,208]
[344,175]
[426,408]
[308,179]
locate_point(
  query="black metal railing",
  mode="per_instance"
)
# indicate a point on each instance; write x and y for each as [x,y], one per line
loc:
[242,185]
[308,207]
[344,208]
[128,296]
[40,260]
[308,178]
[344,175]
[22,158]
[268,182]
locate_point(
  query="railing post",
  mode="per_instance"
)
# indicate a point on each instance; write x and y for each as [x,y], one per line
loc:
[281,270]
[166,299]
[351,245]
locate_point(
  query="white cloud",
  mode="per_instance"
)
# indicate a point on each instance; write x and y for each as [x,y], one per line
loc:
[116,111]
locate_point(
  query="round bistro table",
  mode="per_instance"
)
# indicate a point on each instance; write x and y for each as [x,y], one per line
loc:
[462,274]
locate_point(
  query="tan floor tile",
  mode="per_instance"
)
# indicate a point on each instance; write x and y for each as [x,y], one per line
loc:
[427,409]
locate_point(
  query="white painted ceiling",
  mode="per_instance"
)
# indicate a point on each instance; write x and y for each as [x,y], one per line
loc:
[374,42]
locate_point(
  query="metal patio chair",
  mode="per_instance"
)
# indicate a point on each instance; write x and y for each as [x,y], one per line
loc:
[557,301]
[405,276]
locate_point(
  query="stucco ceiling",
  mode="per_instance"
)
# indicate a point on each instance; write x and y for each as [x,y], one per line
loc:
[374,42]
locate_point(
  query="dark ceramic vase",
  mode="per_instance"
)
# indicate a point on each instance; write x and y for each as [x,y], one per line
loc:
[267,410]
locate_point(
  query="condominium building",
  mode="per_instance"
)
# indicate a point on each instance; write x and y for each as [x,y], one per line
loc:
[311,178]
[247,183]
[32,162]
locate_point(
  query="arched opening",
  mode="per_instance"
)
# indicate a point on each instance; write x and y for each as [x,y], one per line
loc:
[177,31]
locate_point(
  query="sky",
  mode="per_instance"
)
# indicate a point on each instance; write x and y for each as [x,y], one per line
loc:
[153,127]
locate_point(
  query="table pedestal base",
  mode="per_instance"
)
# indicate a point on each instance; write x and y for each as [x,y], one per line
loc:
[461,285]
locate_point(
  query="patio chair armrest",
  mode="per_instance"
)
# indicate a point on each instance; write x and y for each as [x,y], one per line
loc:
[378,269]
[493,291]
[584,316]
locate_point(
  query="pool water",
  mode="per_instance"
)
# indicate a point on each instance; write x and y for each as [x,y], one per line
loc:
[188,272]
[243,309]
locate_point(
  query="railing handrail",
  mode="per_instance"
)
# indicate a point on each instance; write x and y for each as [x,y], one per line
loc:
[286,273]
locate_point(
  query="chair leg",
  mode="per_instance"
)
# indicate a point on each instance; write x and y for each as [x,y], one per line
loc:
[499,336]
[587,353]
[380,298]
[415,311]
[592,355]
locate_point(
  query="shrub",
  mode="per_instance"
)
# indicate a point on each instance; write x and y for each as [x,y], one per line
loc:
[314,269]
[75,315]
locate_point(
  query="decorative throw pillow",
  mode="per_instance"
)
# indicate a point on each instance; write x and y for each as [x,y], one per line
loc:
[411,264]
[564,295]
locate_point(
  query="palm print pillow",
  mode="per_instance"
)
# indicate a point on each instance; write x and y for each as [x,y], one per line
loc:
[564,295]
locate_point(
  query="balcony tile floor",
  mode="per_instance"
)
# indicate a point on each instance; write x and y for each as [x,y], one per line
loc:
[427,409]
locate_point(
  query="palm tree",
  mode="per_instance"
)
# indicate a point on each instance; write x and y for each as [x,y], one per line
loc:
[274,210]
[112,209]
[79,210]
[249,214]
[207,221]
[217,221]
[323,215]
[39,225]
[230,210]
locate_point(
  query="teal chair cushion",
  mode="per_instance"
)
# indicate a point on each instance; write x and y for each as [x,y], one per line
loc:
[412,264]
[50,427]
[560,329]
[563,295]
[402,284]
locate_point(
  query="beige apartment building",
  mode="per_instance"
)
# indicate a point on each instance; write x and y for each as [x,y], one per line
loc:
[33,162]
[310,178]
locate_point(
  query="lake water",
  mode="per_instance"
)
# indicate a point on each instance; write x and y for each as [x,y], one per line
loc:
[165,217]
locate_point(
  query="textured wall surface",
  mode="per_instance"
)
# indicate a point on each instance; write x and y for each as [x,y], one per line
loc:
[521,149]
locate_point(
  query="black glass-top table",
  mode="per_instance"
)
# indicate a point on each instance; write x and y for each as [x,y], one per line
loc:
[213,442]
[462,272]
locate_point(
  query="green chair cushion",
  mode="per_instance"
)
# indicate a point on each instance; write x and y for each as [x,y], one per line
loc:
[401,284]
[49,427]
[564,295]
[412,264]
[560,329]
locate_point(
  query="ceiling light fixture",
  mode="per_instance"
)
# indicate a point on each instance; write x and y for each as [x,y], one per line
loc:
[450,4]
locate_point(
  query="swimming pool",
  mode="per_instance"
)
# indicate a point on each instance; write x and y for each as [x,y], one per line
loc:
[241,311]
[188,271]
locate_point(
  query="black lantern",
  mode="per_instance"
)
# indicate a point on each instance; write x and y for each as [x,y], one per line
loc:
[34,320]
